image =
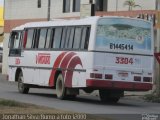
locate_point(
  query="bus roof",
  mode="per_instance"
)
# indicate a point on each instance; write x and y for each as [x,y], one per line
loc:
[59,22]
[64,22]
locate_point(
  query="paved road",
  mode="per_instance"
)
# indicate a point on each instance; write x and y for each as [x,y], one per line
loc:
[84,103]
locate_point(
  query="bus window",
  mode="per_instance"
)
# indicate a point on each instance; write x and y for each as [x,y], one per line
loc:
[67,36]
[57,37]
[63,37]
[15,40]
[123,35]
[77,37]
[42,38]
[70,42]
[48,38]
[85,38]
[15,43]
[29,38]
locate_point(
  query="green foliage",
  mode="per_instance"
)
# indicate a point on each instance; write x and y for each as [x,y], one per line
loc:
[131,4]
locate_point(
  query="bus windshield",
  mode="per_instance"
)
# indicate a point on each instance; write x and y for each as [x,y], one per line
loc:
[124,35]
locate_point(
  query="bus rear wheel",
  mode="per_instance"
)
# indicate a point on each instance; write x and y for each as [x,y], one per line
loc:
[60,87]
[106,96]
[22,88]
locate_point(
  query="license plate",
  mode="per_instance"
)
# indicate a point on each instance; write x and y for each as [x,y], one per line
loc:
[123,74]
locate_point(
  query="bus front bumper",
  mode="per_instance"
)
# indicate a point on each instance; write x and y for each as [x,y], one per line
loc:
[128,86]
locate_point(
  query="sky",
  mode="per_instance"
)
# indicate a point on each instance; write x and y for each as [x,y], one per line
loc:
[1,2]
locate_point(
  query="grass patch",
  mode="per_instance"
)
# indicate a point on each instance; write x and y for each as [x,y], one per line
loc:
[10,103]
[152,98]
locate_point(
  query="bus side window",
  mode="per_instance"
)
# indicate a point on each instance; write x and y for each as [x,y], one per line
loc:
[57,37]
[70,42]
[85,38]
[42,38]
[77,37]
[52,38]
[68,36]
[20,40]
[63,37]
[29,38]
[35,39]
[84,32]
[48,38]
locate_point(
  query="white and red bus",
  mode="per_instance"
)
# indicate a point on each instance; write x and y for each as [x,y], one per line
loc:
[109,54]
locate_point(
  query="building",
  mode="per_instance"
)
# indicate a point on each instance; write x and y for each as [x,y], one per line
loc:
[18,12]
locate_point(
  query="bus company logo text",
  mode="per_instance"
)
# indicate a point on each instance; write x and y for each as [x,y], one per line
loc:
[43,58]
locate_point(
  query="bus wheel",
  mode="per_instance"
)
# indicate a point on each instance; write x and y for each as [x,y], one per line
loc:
[22,88]
[106,97]
[60,87]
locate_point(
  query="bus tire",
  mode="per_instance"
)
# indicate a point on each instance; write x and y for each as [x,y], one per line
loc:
[22,88]
[106,97]
[60,87]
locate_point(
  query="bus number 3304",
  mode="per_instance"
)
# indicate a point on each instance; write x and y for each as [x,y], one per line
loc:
[124,60]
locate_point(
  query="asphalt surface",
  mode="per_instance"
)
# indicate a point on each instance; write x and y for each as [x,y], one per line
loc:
[83,103]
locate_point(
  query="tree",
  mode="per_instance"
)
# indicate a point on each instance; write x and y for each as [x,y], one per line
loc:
[131,4]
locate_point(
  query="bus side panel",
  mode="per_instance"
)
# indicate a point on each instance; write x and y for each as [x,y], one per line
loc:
[12,67]
[81,73]
[73,65]
[78,79]
[44,76]
[11,73]
[28,75]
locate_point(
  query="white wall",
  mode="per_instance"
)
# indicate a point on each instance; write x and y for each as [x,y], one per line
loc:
[145,4]
[25,9]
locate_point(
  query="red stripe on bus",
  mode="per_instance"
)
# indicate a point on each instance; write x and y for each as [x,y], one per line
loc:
[95,83]
[69,74]
[56,65]
[65,62]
